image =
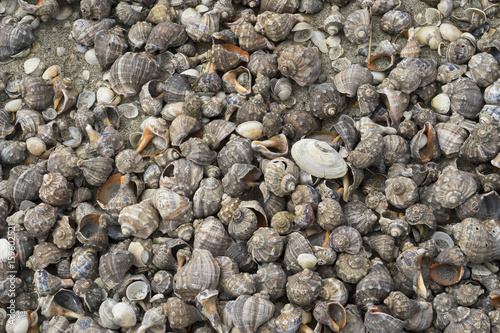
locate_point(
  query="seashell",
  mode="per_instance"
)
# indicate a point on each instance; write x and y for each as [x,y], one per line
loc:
[116,193]
[263,63]
[139,220]
[96,170]
[326,168]
[368,99]
[113,266]
[346,239]
[200,273]
[14,39]
[276,26]
[395,21]
[429,35]
[138,34]
[425,145]
[197,151]
[13,152]
[109,142]
[326,100]
[453,187]
[129,14]
[131,71]
[463,318]
[359,216]
[289,320]
[84,31]
[282,222]
[153,127]
[349,80]
[174,209]
[43,10]
[451,137]
[378,319]
[297,124]
[281,175]
[45,254]
[231,84]
[392,224]
[300,64]
[153,319]
[265,245]
[450,32]
[84,264]
[401,192]
[491,94]
[397,150]
[160,13]
[421,216]
[482,69]
[64,234]
[384,245]
[210,235]
[179,314]
[303,288]
[141,256]
[374,287]
[249,39]
[357,26]
[65,96]
[246,220]
[55,190]
[109,45]
[226,56]
[36,93]
[39,220]
[96,10]
[367,151]
[475,241]
[48,284]
[458,52]
[352,268]
[481,145]
[63,303]
[468,293]
[202,29]
[124,315]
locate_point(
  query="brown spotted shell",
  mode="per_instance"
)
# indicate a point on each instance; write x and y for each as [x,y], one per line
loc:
[330,214]
[265,245]
[326,100]
[64,236]
[346,239]
[482,144]
[39,220]
[475,241]
[375,286]
[55,190]
[263,63]
[302,64]
[14,39]
[395,21]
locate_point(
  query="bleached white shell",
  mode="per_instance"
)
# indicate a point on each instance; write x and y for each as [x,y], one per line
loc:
[336,52]
[18,323]
[432,16]
[90,58]
[303,32]
[36,146]
[64,13]
[4,248]
[251,130]
[128,110]
[106,314]
[33,66]
[340,64]
[190,15]
[202,8]
[137,291]
[76,138]
[318,158]
[449,32]
[441,103]
[105,95]
[307,260]
[191,74]
[13,105]
[317,37]
[86,97]
[49,114]
[141,256]
[443,240]
[333,41]
[124,315]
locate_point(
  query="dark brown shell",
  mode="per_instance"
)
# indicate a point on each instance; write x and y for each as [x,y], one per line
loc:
[37,94]
[14,39]
[482,144]
[395,21]
[44,9]
[303,288]
[326,100]
[286,6]
[113,266]
[297,124]
[166,35]
[237,150]
[95,9]
[55,190]
[182,176]
[129,14]
[253,110]
[249,39]
[39,220]
[302,64]
[465,96]
[138,34]
[226,56]
[131,71]
[263,63]
[96,170]
[109,45]
[84,31]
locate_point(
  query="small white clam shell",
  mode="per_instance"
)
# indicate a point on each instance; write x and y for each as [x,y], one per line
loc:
[432,16]
[36,146]
[441,103]
[64,13]
[318,158]
[445,7]
[191,74]
[86,98]
[449,32]
[20,322]
[76,138]
[317,37]
[333,41]
[378,77]
[336,52]
[128,110]
[13,105]
[302,35]
[51,72]
[323,46]
[443,240]
[31,65]
[137,291]
[4,248]
[252,130]
[105,95]
[124,315]
[202,9]
[307,260]
[106,315]
[190,15]
[49,114]
[302,26]
[281,88]
[141,256]
[91,58]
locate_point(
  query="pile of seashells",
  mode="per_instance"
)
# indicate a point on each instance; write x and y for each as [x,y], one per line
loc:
[235,207]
